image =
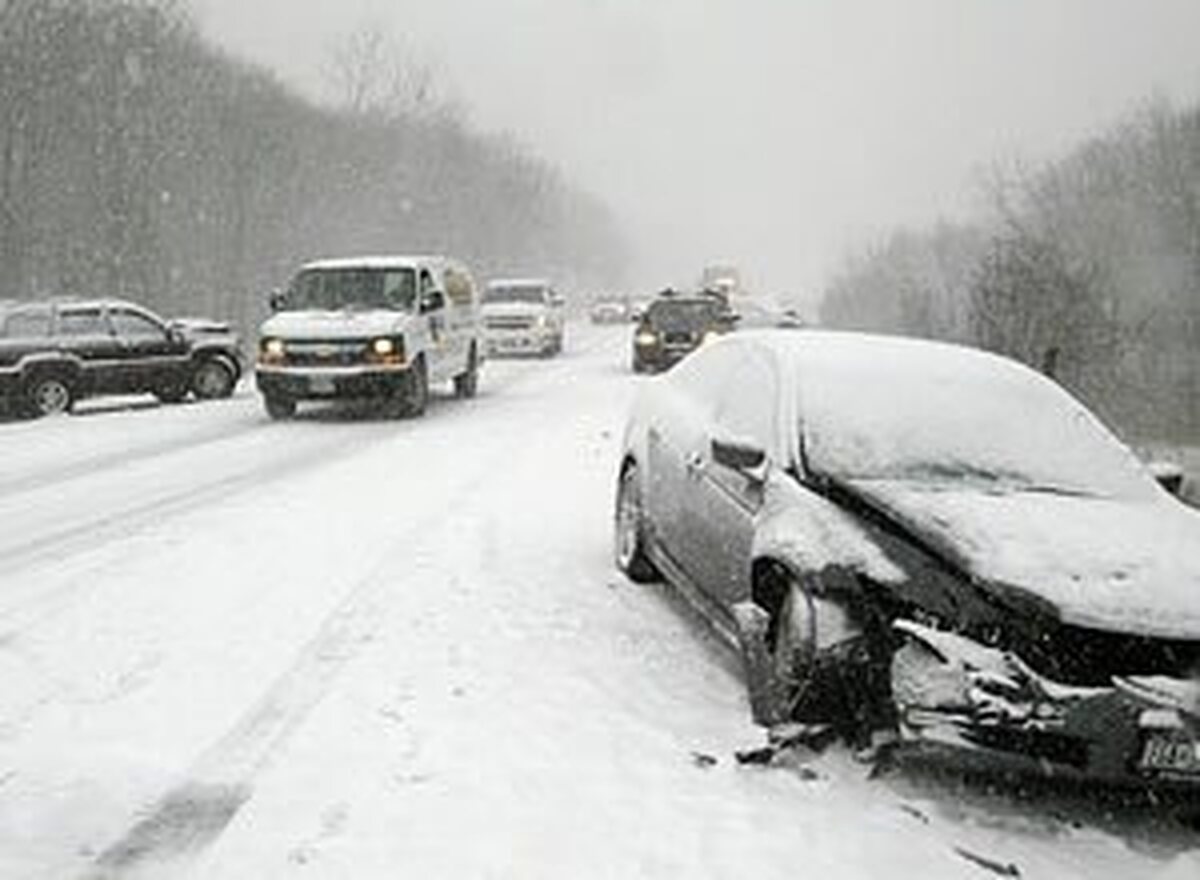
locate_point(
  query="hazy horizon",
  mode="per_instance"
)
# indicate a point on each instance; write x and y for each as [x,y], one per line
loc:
[774,136]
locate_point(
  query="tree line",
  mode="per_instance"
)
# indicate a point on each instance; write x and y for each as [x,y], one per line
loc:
[1087,267]
[137,160]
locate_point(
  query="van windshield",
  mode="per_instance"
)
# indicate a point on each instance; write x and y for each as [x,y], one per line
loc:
[348,289]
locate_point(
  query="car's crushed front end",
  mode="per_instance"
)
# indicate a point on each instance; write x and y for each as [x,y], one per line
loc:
[952,691]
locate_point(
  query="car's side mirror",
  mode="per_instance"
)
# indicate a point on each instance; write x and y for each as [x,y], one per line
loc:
[432,300]
[277,300]
[175,333]
[744,456]
[1167,474]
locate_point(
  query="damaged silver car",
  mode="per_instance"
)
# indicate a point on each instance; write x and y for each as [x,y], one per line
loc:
[926,540]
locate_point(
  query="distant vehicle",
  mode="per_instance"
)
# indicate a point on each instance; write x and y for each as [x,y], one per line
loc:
[609,311]
[925,540]
[523,316]
[673,326]
[56,352]
[371,328]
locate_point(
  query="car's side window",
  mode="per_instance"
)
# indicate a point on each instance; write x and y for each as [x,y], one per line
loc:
[29,324]
[82,322]
[132,324]
[746,406]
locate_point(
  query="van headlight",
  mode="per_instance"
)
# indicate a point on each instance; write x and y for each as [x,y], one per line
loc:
[645,339]
[386,350]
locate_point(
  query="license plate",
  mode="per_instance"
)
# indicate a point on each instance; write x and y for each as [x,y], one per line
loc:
[1171,752]
[321,385]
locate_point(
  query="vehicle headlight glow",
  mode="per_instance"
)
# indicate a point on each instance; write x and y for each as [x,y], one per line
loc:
[709,337]
[383,347]
[646,338]
[273,349]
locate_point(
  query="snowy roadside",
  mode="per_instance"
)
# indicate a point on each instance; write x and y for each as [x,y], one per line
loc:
[412,656]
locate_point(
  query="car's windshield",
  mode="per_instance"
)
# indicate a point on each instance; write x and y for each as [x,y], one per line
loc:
[960,420]
[353,288]
[515,293]
[680,315]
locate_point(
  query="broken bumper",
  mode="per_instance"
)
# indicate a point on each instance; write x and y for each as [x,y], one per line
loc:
[950,691]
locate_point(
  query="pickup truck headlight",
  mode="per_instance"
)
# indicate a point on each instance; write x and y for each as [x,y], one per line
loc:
[272,351]
[383,347]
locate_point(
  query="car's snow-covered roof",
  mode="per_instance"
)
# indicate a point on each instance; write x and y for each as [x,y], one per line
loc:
[374,262]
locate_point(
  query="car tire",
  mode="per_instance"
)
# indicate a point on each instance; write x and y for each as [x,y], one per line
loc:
[466,384]
[629,529]
[212,380]
[48,394]
[416,392]
[279,408]
[816,667]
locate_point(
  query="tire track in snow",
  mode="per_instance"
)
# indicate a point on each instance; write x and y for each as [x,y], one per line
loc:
[193,814]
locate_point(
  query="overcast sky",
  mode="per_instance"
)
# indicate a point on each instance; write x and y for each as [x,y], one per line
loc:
[771,133]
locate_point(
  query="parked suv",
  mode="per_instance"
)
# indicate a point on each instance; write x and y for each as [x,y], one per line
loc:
[523,316]
[373,328]
[55,352]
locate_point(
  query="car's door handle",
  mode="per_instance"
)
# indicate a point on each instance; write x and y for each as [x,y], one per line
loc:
[694,464]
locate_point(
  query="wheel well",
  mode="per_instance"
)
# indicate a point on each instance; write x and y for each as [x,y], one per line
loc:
[57,370]
[222,359]
[769,582]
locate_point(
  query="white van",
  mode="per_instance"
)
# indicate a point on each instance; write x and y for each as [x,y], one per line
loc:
[378,328]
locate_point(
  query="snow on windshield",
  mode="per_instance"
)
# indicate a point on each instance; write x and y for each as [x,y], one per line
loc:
[354,288]
[907,410]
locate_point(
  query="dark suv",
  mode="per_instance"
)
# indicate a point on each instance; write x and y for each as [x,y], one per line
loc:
[54,353]
[675,325]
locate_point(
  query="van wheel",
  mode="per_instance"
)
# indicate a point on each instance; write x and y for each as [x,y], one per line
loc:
[416,395]
[467,384]
[48,395]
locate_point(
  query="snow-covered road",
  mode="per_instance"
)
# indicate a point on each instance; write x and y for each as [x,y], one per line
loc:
[344,647]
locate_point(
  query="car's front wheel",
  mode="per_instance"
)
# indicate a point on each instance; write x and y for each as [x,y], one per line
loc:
[48,395]
[630,529]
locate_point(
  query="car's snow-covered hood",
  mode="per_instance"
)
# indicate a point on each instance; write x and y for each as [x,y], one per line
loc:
[1123,566]
[335,325]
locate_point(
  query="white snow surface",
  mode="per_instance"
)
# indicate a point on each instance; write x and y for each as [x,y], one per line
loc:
[344,647]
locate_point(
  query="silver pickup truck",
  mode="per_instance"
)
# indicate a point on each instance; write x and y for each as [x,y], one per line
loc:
[373,328]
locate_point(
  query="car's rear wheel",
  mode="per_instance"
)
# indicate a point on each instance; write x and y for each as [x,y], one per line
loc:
[630,529]
[279,407]
[212,380]
[48,395]
[466,384]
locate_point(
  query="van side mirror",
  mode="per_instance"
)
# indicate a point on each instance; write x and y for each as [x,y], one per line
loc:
[432,300]
[277,300]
